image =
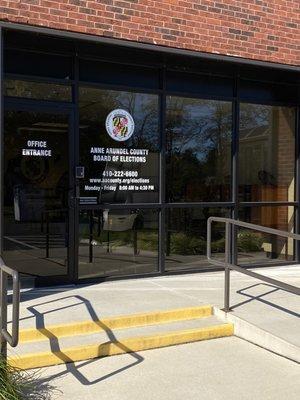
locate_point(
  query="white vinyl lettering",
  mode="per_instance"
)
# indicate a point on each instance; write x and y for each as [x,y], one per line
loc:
[37,148]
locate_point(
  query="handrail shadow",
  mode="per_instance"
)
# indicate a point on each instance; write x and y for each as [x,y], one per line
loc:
[260,298]
[35,293]
[55,345]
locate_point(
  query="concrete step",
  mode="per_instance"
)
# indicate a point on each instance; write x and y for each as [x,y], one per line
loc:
[123,334]
[118,322]
[54,343]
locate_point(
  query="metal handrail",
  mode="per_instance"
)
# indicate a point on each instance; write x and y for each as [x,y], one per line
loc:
[228,263]
[5,336]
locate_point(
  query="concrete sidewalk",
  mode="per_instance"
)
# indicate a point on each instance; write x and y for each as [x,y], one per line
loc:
[263,305]
[219,369]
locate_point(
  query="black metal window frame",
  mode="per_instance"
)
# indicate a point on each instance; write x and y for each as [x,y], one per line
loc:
[162,205]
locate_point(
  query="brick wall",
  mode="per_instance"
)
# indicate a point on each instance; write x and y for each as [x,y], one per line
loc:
[265,30]
[283,120]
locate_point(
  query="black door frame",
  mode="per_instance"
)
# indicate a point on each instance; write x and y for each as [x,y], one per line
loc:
[68,110]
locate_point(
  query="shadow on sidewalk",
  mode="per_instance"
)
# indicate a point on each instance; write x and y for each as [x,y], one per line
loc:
[55,346]
[260,298]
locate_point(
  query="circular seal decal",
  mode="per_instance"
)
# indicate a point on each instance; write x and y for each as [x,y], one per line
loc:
[119,125]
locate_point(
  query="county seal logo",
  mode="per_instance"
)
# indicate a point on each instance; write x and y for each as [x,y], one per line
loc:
[119,125]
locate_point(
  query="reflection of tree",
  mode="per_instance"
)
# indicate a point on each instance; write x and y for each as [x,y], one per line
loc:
[37,90]
[198,135]
[95,105]
[253,115]
[144,109]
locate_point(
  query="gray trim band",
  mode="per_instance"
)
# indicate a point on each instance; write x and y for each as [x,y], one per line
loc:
[146,46]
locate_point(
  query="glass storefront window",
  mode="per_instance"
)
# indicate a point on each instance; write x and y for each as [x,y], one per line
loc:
[186,237]
[81,174]
[198,149]
[260,248]
[119,146]
[266,153]
[118,242]
[37,90]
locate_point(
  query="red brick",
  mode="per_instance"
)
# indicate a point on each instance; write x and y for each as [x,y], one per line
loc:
[265,30]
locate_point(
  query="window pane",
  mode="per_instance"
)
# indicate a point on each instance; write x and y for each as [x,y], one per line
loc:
[118,242]
[266,153]
[186,237]
[37,90]
[117,170]
[252,90]
[195,83]
[35,192]
[198,149]
[24,62]
[260,248]
[114,74]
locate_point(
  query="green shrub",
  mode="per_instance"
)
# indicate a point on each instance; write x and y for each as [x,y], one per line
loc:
[147,240]
[183,244]
[16,384]
[249,241]
[218,246]
[9,389]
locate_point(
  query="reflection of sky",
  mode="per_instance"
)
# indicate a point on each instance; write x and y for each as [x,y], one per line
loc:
[140,106]
[95,105]
[253,115]
[200,117]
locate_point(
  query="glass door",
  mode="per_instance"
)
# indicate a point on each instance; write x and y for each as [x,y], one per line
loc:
[37,190]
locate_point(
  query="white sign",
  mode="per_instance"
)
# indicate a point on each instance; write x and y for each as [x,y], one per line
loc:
[119,125]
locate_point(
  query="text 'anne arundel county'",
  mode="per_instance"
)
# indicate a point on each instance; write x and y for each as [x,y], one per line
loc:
[119,154]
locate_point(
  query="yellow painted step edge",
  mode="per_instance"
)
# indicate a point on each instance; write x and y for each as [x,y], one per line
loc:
[119,322]
[129,345]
